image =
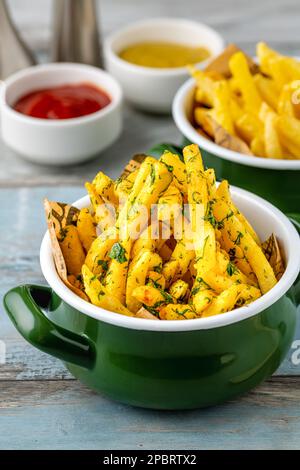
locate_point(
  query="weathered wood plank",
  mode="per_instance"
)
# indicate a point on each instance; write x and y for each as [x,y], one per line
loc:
[65,415]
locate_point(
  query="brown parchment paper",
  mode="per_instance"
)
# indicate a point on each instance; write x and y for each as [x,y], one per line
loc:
[273,254]
[58,216]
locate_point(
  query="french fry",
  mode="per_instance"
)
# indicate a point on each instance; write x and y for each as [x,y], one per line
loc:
[152,296]
[224,193]
[221,106]
[72,249]
[203,117]
[289,129]
[124,185]
[204,93]
[248,127]
[226,301]
[279,73]
[104,186]
[177,312]
[273,146]
[241,238]
[157,279]
[285,105]
[98,294]
[179,289]
[152,180]
[137,273]
[267,90]
[257,146]
[177,168]
[202,295]
[241,73]
[265,54]
[86,228]
[97,259]
[104,215]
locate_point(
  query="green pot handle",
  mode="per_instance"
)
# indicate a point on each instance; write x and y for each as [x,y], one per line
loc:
[26,306]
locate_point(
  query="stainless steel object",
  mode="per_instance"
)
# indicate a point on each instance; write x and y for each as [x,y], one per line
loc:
[76,34]
[14,54]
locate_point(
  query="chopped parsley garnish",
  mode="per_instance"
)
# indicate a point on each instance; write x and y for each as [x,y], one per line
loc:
[169,167]
[231,268]
[237,241]
[152,174]
[118,253]
[103,264]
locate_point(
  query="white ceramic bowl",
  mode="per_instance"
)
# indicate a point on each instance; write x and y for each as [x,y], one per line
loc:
[264,217]
[59,142]
[148,88]
[182,106]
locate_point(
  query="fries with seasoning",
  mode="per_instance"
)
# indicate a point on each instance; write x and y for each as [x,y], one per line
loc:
[250,108]
[209,261]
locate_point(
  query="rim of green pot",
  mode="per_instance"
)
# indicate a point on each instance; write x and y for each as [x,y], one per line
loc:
[289,238]
[180,111]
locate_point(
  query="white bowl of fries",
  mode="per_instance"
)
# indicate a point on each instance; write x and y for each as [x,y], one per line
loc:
[247,126]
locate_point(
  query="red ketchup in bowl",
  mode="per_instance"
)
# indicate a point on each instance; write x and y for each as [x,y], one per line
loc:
[63,102]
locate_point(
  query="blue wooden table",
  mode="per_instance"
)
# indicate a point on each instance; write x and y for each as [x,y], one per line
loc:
[41,405]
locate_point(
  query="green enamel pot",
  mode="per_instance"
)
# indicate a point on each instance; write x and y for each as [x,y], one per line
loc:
[166,364]
[278,181]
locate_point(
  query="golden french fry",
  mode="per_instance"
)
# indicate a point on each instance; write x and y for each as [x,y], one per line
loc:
[157,279]
[72,249]
[267,90]
[137,274]
[285,104]
[104,186]
[203,118]
[221,107]
[273,146]
[204,92]
[97,259]
[279,72]
[104,213]
[265,54]
[86,228]
[124,185]
[257,146]
[223,192]
[241,238]
[177,312]
[177,168]
[179,289]
[248,126]
[242,75]
[98,294]
[227,300]
[152,296]
[152,180]
[289,128]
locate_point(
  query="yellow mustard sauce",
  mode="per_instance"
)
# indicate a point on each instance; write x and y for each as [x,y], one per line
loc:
[163,54]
